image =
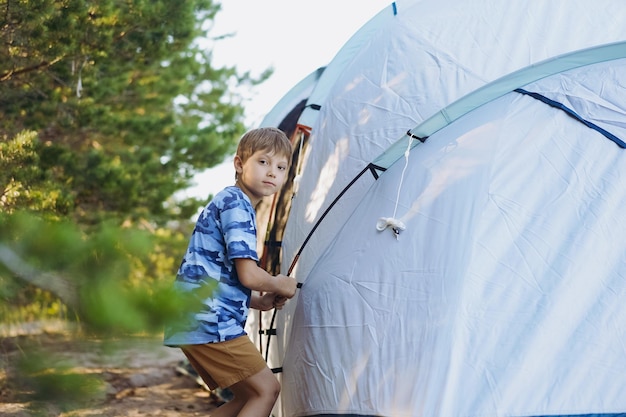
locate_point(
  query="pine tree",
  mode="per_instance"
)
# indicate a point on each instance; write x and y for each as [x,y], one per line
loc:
[125,104]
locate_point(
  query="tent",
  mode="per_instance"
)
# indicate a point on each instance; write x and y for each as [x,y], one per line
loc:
[458,223]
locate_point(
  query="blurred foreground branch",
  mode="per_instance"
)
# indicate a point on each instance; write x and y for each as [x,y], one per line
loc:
[45,280]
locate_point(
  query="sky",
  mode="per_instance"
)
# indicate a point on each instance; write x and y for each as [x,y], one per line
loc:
[295,37]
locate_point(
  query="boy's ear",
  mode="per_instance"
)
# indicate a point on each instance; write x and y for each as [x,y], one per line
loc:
[238,163]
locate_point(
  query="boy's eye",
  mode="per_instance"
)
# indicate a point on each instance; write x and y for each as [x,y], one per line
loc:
[282,168]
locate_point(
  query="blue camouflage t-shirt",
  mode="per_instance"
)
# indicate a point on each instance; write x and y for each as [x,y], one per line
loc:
[218,302]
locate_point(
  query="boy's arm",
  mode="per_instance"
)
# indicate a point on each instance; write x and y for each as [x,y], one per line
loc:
[255,278]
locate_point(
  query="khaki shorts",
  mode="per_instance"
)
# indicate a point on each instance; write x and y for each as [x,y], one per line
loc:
[225,363]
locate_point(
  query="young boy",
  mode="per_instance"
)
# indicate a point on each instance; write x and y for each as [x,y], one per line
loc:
[219,273]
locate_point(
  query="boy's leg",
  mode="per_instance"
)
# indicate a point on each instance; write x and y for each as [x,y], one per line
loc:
[255,396]
[229,409]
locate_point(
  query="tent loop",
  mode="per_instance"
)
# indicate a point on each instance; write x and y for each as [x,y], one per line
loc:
[397,225]
[412,136]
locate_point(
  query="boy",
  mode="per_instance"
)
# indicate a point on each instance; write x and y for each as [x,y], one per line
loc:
[219,273]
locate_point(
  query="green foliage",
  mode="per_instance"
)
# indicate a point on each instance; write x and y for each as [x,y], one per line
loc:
[113,283]
[25,182]
[108,109]
[124,102]
[102,276]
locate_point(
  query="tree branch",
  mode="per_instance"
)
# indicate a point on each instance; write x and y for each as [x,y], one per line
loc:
[42,65]
[56,284]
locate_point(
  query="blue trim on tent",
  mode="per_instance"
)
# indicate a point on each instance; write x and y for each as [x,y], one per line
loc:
[572,113]
[499,88]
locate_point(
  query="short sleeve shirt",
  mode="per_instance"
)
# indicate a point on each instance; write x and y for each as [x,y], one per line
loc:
[217,303]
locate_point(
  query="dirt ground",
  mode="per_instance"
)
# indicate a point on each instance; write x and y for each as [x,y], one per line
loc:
[139,378]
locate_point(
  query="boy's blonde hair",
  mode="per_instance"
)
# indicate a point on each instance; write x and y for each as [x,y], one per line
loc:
[267,139]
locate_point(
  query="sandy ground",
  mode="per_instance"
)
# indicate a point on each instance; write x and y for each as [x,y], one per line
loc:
[139,378]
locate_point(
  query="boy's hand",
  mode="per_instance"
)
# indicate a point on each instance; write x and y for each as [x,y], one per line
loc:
[288,286]
[279,302]
[268,301]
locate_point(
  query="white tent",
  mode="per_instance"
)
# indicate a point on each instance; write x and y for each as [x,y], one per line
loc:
[490,135]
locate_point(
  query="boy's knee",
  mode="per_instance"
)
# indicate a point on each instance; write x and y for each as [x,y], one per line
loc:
[262,385]
[269,390]
[274,389]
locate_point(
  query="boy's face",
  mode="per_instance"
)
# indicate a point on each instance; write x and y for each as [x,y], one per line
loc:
[262,174]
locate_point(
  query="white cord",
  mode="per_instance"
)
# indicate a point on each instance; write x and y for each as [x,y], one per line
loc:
[406,164]
[396,225]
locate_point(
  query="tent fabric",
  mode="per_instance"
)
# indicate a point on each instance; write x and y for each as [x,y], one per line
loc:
[399,78]
[571,415]
[301,91]
[504,85]
[573,114]
[502,297]
[342,60]
[506,299]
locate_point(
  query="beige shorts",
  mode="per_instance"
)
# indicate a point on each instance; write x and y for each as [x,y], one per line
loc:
[225,363]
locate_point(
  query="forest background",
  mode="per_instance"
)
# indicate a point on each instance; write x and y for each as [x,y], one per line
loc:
[107,109]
